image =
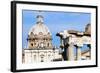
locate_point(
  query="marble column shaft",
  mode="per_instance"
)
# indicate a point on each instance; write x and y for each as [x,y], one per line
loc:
[89,45]
[70,52]
[61,41]
[78,54]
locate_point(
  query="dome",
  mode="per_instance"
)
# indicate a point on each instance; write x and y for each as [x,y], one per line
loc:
[39,27]
[39,35]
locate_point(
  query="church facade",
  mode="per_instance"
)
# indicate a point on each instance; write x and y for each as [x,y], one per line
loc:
[40,48]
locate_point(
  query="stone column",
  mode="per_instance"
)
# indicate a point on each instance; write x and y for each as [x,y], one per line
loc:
[78,52]
[62,47]
[70,52]
[89,45]
[61,41]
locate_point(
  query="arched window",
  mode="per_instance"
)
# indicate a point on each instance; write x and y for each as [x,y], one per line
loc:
[32,44]
[42,59]
[41,44]
[48,44]
[34,57]
[49,56]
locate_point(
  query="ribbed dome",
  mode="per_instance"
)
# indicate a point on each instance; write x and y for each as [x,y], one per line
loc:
[39,27]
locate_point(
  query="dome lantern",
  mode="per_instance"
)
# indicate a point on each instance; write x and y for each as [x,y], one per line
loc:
[39,19]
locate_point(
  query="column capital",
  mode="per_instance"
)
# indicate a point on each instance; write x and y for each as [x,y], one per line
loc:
[79,45]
